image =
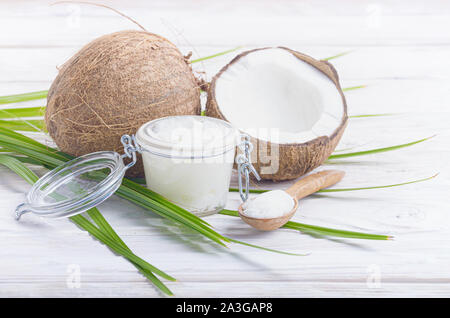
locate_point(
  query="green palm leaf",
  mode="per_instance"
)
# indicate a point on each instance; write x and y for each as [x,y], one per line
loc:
[349,189]
[23,125]
[22,112]
[23,97]
[352,88]
[372,115]
[319,230]
[215,55]
[379,187]
[336,56]
[377,150]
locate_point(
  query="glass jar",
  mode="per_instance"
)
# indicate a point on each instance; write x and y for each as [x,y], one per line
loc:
[188,160]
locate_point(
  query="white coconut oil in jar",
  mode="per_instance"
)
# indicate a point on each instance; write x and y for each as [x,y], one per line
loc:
[188,160]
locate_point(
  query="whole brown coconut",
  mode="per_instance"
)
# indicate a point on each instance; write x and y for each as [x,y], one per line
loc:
[115,84]
[294,159]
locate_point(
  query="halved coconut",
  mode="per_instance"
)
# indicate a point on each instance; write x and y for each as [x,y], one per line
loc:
[289,103]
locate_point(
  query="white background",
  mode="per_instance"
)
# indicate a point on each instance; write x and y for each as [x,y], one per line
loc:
[400,49]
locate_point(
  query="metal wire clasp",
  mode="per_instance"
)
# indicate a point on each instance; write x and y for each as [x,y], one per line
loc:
[245,166]
[130,147]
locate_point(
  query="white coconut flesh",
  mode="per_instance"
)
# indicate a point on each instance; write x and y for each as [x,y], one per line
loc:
[274,96]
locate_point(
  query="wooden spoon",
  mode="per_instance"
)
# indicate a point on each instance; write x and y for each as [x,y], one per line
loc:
[302,188]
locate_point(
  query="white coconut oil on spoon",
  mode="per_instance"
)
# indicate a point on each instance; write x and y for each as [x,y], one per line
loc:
[271,204]
[273,209]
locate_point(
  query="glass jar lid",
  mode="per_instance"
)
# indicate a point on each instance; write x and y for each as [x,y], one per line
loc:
[187,136]
[79,184]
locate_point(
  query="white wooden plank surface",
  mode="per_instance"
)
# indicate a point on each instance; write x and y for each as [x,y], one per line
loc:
[399,49]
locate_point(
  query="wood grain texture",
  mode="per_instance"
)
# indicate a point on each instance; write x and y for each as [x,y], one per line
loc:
[400,50]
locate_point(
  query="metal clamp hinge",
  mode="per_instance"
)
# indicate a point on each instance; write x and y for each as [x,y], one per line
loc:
[130,147]
[245,166]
